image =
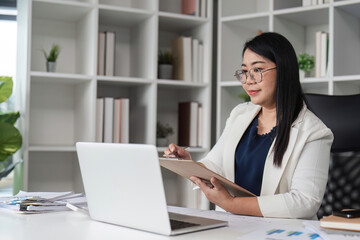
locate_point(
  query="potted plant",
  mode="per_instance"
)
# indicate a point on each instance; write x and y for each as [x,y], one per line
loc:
[10,137]
[163,131]
[51,58]
[165,60]
[306,64]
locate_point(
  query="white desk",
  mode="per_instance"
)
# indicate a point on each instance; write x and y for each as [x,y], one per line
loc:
[75,225]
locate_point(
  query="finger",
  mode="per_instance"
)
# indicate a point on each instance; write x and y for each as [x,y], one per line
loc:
[200,183]
[172,147]
[216,183]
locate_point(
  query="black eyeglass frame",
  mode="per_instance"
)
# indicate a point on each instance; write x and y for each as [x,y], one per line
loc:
[238,75]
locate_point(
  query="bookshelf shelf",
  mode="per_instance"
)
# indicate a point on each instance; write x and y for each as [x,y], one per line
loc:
[126,81]
[60,10]
[179,84]
[52,148]
[238,23]
[45,77]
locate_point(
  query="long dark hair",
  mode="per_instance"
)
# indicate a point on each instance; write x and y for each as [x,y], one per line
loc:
[289,94]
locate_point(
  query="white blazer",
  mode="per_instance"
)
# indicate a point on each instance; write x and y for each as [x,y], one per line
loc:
[294,190]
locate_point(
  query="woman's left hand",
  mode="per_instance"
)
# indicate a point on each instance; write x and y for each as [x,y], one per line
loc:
[216,193]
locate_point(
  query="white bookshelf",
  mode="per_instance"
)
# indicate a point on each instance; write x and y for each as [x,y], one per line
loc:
[240,21]
[58,109]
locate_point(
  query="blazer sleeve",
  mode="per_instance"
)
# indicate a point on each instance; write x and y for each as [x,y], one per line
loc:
[307,186]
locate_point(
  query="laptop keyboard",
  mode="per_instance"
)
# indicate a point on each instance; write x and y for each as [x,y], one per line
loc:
[176,224]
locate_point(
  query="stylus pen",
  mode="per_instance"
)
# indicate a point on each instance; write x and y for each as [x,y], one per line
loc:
[185,148]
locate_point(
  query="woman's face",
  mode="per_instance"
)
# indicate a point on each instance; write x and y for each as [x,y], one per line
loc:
[264,92]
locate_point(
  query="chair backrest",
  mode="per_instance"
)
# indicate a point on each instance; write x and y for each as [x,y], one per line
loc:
[342,115]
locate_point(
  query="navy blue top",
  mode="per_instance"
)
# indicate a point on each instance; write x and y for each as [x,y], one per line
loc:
[250,157]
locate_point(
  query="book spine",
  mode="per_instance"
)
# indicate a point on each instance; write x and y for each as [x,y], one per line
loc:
[201,63]
[184,124]
[178,50]
[99,120]
[108,119]
[200,126]
[101,53]
[324,43]
[109,53]
[195,60]
[125,120]
[187,48]
[117,121]
[318,54]
[194,117]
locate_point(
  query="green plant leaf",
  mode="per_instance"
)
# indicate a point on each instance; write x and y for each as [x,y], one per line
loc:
[10,140]
[6,86]
[9,117]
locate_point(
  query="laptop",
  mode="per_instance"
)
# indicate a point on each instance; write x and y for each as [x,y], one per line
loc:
[123,186]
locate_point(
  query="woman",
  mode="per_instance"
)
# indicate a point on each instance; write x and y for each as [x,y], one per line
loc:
[274,146]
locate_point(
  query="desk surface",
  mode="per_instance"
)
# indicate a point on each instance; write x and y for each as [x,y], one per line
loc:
[75,225]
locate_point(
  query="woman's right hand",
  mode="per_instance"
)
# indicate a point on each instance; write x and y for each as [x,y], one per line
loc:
[178,152]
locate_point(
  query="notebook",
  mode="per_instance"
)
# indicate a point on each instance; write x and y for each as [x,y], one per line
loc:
[123,186]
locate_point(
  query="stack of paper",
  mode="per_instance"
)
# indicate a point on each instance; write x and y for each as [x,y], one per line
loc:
[40,202]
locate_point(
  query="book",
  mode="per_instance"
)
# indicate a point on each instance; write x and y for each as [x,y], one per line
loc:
[121,120]
[324,53]
[188,168]
[188,7]
[108,119]
[200,136]
[181,47]
[101,53]
[203,8]
[109,53]
[117,121]
[188,124]
[340,223]
[201,63]
[195,60]
[125,120]
[99,120]
[318,54]
[306,3]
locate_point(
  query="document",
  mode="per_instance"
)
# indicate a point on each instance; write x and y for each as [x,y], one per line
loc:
[40,202]
[188,168]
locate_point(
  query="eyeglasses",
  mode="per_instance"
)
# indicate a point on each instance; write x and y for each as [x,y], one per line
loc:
[255,74]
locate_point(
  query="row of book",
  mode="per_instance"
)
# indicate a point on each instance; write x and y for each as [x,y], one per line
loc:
[191,127]
[106,53]
[314,2]
[189,59]
[112,120]
[321,53]
[196,8]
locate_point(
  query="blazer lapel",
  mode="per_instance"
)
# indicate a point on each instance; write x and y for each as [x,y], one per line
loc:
[238,130]
[272,174]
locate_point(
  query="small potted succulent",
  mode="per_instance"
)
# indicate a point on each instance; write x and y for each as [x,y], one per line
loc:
[306,64]
[52,57]
[163,131]
[165,68]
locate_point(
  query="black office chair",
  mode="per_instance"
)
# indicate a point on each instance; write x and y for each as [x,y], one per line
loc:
[342,115]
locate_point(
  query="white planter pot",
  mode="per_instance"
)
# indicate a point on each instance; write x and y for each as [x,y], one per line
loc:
[50,66]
